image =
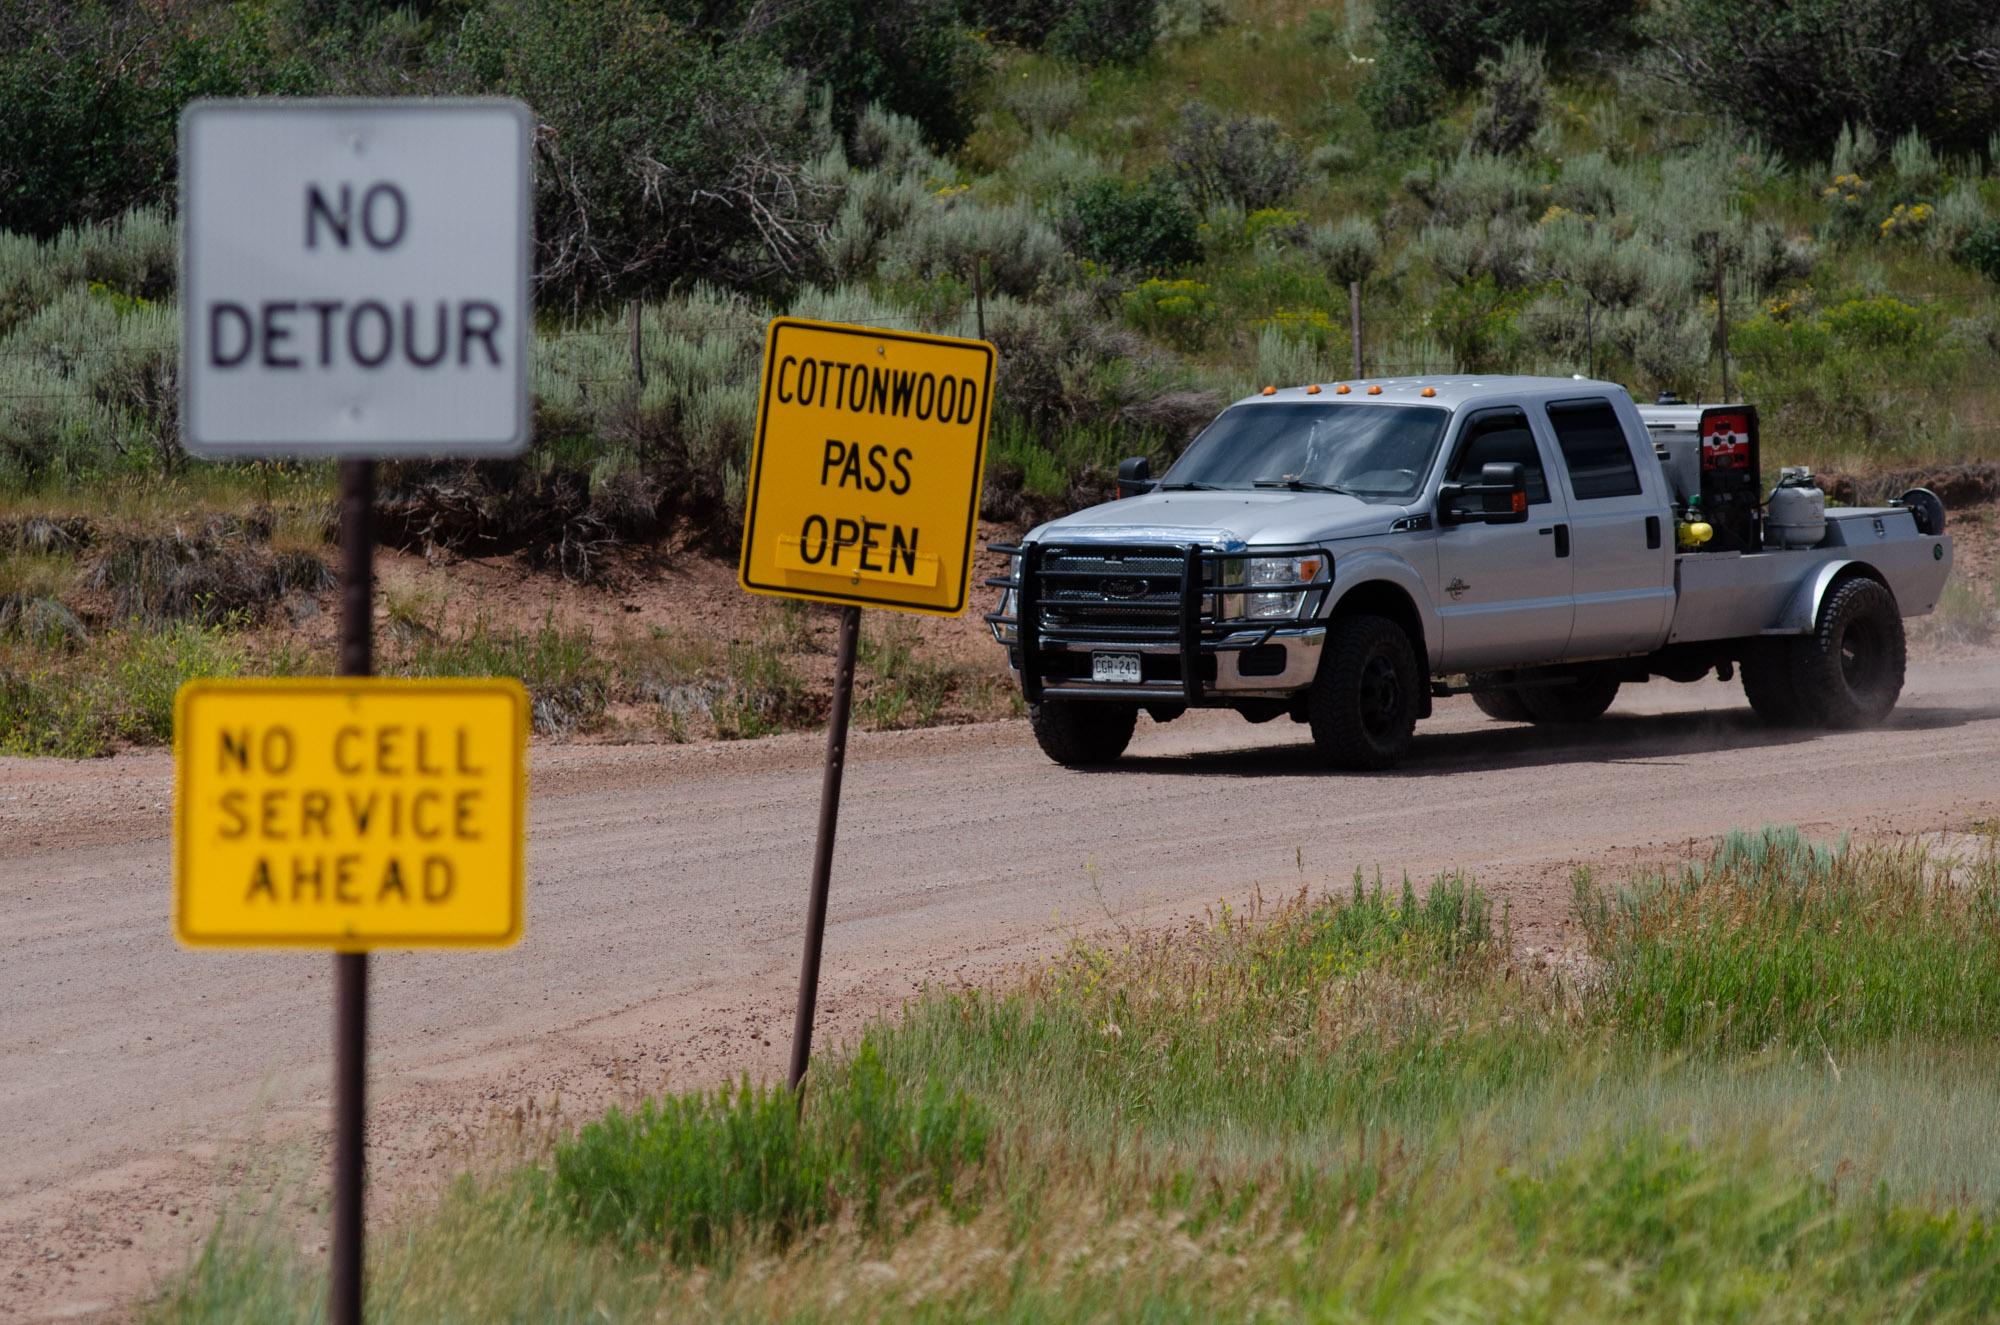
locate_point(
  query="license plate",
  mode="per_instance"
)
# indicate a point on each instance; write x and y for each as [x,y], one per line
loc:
[1117,668]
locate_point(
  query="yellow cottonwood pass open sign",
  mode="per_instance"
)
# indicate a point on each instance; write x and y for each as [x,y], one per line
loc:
[350,813]
[864,488]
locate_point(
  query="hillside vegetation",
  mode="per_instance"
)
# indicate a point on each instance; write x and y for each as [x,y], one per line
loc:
[1149,208]
[1350,1107]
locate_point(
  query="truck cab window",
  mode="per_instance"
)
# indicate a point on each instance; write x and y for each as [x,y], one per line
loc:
[1595,449]
[1498,438]
[1376,453]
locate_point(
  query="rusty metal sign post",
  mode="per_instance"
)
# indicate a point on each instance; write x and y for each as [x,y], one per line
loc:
[353,286]
[863,492]
[829,823]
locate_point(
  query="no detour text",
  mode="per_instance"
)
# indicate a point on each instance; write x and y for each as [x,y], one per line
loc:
[368,333]
[403,800]
[869,389]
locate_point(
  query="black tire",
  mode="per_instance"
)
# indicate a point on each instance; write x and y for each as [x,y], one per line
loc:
[1564,705]
[1498,704]
[1768,684]
[1363,705]
[1082,734]
[1849,671]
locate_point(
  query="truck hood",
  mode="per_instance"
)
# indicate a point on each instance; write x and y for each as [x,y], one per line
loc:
[1225,519]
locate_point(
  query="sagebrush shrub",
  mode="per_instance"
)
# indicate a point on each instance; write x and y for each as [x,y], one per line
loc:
[1053,167]
[1474,185]
[1287,359]
[1959,213]
[893,144]
[1244,159]
[1349,251]
[946,236]
[1044,104]
[1516,95]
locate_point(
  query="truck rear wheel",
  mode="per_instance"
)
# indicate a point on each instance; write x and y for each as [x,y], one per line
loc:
[1081,734]
[1583,701]
[1494,700]
[1849,671]
[1363,705]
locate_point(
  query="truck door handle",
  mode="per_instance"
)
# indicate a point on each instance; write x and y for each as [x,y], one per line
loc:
[1561,531]
[1652,532]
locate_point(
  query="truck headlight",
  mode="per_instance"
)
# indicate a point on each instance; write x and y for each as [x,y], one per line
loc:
[1293,572]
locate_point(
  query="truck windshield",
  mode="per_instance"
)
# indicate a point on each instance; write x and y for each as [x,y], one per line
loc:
[1374,452]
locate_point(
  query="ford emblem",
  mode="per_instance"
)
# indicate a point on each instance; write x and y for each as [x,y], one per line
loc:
[1123,588]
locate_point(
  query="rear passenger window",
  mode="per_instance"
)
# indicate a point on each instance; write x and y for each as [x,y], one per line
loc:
[1498,438]
[1594,448]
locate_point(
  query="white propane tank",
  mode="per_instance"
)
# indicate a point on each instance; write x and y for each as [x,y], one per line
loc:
[1796,514]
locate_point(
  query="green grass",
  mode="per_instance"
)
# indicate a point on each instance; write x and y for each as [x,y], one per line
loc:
[1777,943]
[901,687]
[83,701]
[687,1175]
[761,694]
[1349,1107]
[560,666]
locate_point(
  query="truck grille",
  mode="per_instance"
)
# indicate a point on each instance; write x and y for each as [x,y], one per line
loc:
[1132,594]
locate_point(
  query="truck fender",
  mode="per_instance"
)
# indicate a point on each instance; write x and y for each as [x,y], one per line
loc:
[1370,572]
[1801,612]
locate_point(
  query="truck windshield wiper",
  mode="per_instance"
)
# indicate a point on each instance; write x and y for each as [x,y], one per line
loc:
[1192,487]
[1301,485]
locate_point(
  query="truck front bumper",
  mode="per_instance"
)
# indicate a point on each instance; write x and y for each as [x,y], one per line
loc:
[1257,664]
[1180,609]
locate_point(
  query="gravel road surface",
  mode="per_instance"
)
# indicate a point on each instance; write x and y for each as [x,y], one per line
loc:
[142,1086]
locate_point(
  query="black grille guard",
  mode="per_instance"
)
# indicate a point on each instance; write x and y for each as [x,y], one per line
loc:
[1199,630]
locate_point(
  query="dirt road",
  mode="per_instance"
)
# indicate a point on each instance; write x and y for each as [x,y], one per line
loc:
[139,1083]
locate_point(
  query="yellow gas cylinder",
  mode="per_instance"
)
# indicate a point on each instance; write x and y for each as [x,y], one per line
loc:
[1693,533]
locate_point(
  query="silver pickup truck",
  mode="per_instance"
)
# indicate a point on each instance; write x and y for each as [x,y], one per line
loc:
[1340,554]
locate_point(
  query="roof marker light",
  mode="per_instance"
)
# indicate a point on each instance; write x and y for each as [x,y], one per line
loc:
[1270,391]
[1428,392]
[1342,389]
[1313,390]
[1374,390]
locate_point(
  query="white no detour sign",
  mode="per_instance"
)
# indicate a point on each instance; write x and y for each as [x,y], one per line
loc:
[354,277]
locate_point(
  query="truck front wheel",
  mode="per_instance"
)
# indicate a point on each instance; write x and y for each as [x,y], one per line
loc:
[1363,706]
[1079,735]
[1849,671]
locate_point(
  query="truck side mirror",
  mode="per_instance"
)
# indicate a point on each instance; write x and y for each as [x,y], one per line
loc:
[1135,476]
[1500,496]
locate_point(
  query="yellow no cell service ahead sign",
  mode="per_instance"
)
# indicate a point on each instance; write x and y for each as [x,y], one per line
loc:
[864,489]
[349,813]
